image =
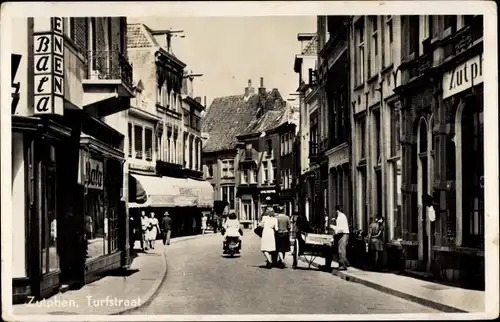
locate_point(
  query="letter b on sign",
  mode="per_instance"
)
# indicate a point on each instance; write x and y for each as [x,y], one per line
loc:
[43,44]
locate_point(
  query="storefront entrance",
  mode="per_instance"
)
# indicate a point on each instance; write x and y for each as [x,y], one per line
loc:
[423,190]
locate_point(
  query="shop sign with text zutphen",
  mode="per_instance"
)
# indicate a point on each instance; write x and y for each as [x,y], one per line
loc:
[48,64]
[463,76]
[91,173]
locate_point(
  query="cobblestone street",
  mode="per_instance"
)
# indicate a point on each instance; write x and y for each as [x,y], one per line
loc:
[201,281]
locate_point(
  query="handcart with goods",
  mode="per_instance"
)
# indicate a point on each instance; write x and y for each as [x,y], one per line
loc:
[311,246]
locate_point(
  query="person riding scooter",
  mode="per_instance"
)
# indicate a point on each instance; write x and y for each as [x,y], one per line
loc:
[231,228]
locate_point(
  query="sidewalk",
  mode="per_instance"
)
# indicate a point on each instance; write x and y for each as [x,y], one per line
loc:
[438,296]
[114,293]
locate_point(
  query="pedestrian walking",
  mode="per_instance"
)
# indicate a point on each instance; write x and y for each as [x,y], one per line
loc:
[152,231]
[282,237]
[203,224]
[375,243]
[166,225]
[144,227]
[215,222]
[269,225]
[341,236]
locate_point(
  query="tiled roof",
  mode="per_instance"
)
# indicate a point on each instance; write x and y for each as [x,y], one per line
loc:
[312,47]
[230,116]
[224,120]
[268,121]
[139,37]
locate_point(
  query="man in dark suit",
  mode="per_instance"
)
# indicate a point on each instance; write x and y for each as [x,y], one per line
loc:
[166,226]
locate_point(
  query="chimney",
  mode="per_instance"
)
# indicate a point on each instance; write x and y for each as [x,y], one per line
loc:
[249,90]
[262,89]
[184,86]
[205,101]
[198,99]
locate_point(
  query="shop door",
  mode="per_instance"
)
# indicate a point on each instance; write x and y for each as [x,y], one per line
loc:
[423,189]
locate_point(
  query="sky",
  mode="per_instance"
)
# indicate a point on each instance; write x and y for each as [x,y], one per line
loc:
[229,51]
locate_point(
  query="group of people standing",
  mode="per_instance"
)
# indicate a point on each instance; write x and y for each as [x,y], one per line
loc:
[275,239]
[149,230]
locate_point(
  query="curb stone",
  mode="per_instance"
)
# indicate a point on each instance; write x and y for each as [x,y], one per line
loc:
[151,295]
[423,301]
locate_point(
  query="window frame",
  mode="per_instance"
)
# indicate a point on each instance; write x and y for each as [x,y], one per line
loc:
[389,30]
[414,35]
[210,168]
[227,167]
[265,169]
[359,28]
[395,132]
[139,152]
[269,147]
[374,44]
[130,133]
[377,120]
[361,122]
[148,142]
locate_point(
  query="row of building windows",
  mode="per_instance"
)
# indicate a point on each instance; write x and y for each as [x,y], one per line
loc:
[268,174]
[140,146]
[380,49]
[192,121]
[386,36]
[247,176]
[169,100]
[394,135]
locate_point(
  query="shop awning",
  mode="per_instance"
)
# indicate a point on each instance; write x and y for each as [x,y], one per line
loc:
[152,191]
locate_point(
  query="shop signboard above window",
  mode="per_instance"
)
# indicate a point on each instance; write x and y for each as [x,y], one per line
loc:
[463,76]
[48,66]
[91,172]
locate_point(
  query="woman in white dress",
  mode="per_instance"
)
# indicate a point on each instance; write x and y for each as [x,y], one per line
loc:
[152,231]
[269,225]
[204,224]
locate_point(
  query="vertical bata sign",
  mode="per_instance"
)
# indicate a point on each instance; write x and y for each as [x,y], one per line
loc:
[48,52]
[463,76]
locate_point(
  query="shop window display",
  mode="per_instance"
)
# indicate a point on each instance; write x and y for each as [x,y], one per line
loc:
[47,202]
[95,223]
[101,213]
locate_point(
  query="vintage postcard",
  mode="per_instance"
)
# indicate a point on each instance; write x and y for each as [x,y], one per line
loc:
[249,160]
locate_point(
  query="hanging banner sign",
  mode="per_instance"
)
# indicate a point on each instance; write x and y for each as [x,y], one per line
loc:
[48,73]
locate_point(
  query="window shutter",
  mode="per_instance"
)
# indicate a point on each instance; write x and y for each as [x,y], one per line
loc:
[138,141]
[148,144]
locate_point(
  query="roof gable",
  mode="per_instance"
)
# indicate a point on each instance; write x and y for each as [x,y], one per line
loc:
[139,37]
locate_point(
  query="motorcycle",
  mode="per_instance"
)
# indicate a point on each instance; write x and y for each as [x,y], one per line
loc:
[232,246]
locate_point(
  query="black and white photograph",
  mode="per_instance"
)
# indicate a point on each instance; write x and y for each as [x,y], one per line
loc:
[229,160]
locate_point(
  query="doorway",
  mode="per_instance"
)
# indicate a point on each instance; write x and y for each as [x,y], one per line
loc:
[423,189]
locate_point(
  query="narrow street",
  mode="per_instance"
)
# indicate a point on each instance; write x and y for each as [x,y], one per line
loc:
[201,281]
